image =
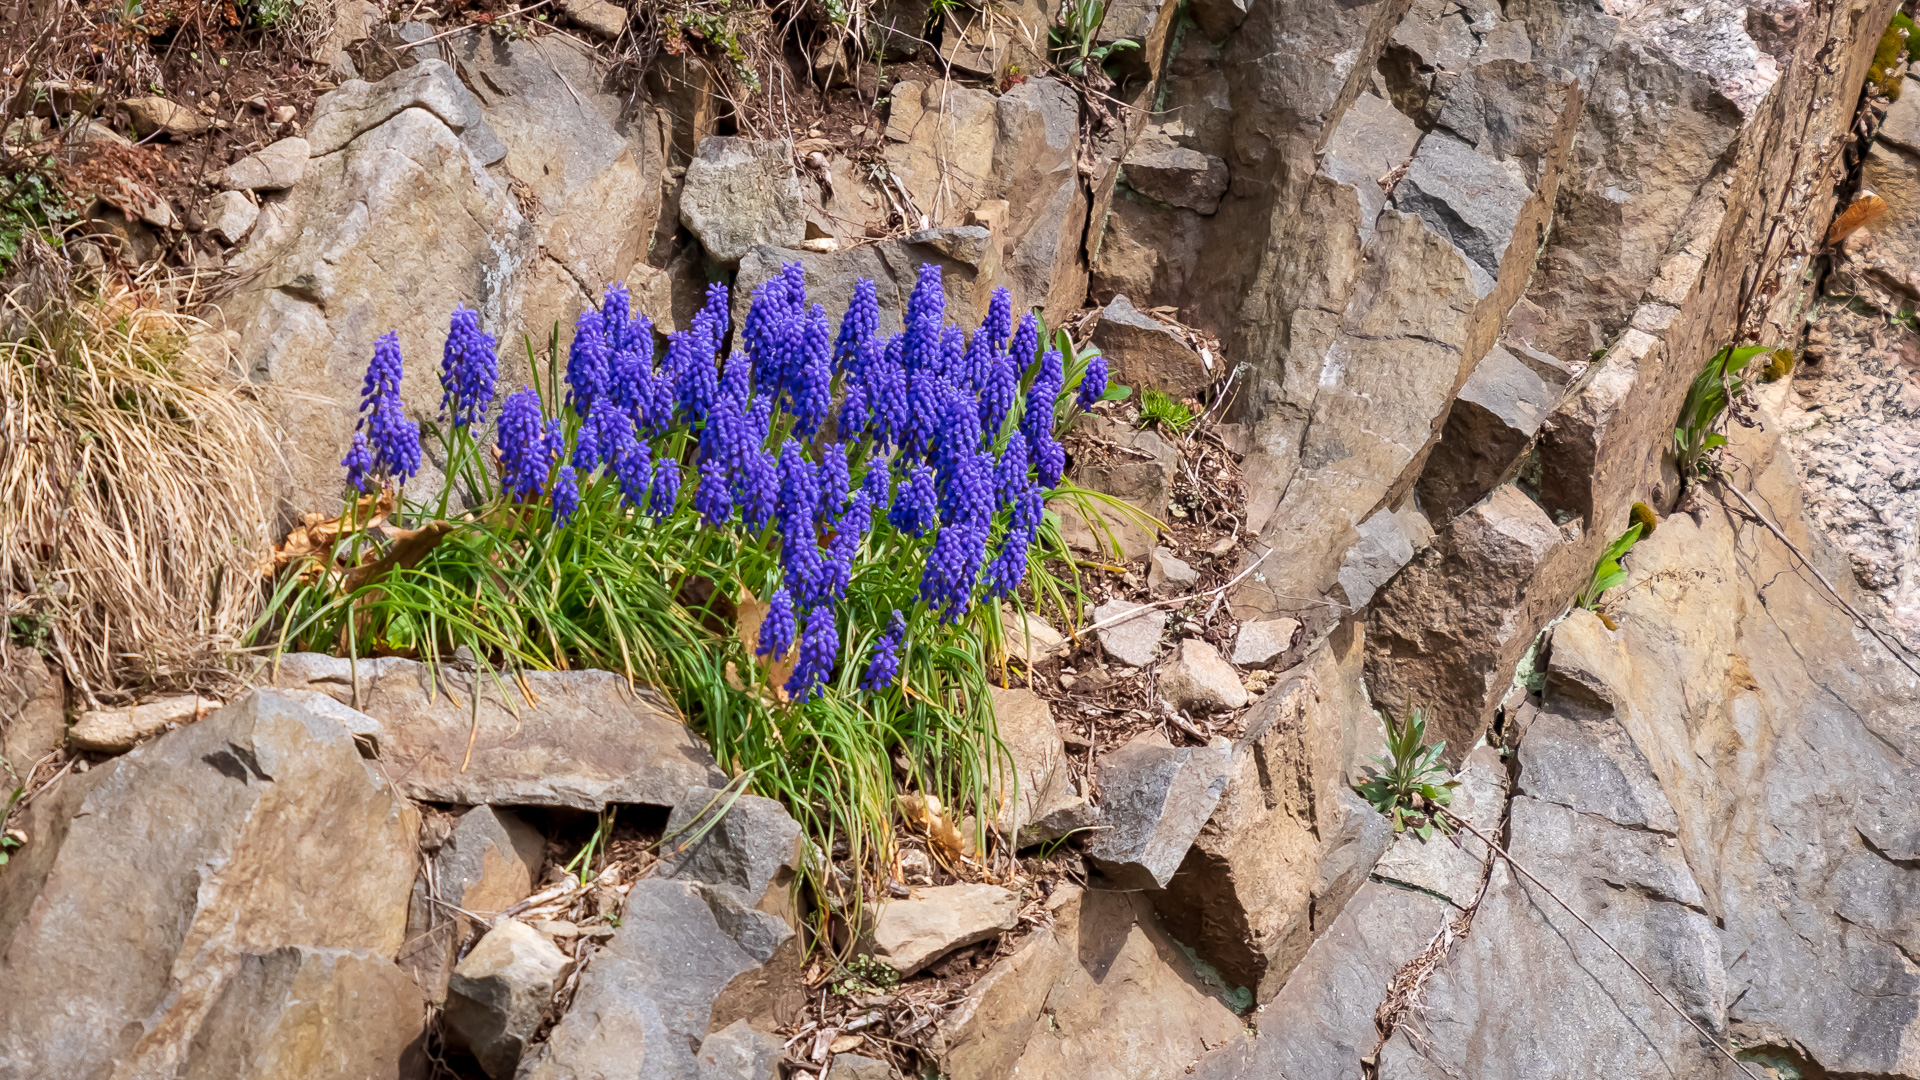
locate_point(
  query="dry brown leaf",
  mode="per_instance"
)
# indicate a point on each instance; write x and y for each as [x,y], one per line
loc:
[409,546]
[749,613]
[845,1043]
[925,813]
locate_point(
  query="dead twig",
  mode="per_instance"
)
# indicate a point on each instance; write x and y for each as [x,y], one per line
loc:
[1143,609]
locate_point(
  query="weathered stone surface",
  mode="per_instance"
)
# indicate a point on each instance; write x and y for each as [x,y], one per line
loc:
[33,711]
[1169,575]
[499,992]
[1056,1005]
[1198,680]
[740,193]
[857,1067]
[1154,799]
[1105,531]
[599,16]
[1135,638]
[897,28]
[1146,354]
[590,741]
[892,265]
[299,1010]
[750,849]
[1263,641]
[115,731]
[1492,423]
[935,920]
[489,862]
[1031,785]
[150,115]
[642,1007]
[256,828]
[739,1052]
[1466,196]
[398,219]
[1446,636]
[1288,843]
[1167,172]
[231,215]
[276,168]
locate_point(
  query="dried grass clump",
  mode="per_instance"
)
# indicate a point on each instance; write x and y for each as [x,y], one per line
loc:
[133,497]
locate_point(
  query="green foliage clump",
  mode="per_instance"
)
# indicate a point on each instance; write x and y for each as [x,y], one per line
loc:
[1074,40]
[1157,408]
[1412,786]
[1899,40]
[1716,385]
[1608,571]
[30,202]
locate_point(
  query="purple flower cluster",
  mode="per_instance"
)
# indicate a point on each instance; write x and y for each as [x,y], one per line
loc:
[468,370]
[930,433]
[392,439]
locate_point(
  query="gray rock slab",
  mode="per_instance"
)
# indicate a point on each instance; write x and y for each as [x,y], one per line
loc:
[740,193]
[1198,680]
[1162,170]
[742,843]
[302,1010]
[1135,638]
[487,864]
[277,167]
[643,1005]
[500,992]
[1261,642]
[1154,799]
[588,742]
[741,1052]
[1465,196]
[932,922]
[231,215]
[1146,354]
[258,827]
[1169,575]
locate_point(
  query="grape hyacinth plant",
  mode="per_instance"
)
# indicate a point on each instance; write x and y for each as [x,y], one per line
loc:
[805,541]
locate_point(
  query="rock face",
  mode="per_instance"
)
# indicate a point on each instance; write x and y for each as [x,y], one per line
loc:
[1199,681]
[1032,786]
[934,921]
[276,168]
[499,992]
[260,870]
[590,741]
[1154,799]
[739,193]
[642,1008]
[749,848]
[488,863]
[407,207]
[1132,639]
[1145,353]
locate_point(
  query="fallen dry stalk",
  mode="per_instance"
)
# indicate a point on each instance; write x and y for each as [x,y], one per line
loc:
[133,497]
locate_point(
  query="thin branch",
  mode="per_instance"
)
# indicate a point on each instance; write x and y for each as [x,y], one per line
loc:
[1818,576]
[463,29]
[1139,611]
[1651,985]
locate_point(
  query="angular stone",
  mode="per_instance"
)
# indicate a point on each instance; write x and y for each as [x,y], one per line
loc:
[499,993]
[1446,636]
[892,265]
[276,168]
[750,849]
[643,1005]
[856,1067]
[941,142]
[1387,543]
[1164,171]
[1146,354]
[1197,680]
[1169,575]
[1102,967]
[1492,423]
[739,1052]
[739,193]
[1154,799]
[300,1010]
[1263,641]
[157,114]
[932,922]
[1289,842]
[258,827]
[599,16]
[1135,640]
[489,862]
[590,741]
[232,215]
[33,712]
[431,85]
[1032,786]
[116,731]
